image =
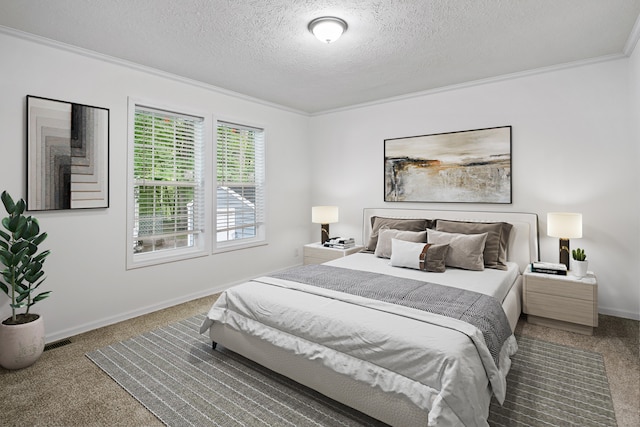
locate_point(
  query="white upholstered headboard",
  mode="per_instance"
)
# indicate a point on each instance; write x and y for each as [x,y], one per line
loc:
[523,240]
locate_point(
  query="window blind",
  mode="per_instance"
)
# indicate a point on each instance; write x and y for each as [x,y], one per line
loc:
[240,181]
[168,179]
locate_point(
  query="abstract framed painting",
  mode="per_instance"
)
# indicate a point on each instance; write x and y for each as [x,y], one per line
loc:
[67,155]
[472,166]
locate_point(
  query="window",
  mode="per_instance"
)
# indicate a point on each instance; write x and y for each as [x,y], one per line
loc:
[167,194]
[239,185]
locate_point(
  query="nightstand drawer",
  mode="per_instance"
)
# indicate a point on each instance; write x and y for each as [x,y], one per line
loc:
[315,253]
[563,308]
[561,288]
[322,254]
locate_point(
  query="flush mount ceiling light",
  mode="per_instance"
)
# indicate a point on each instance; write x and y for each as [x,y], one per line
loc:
[327,28]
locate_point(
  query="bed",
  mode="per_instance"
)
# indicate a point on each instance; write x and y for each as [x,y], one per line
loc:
[355,330]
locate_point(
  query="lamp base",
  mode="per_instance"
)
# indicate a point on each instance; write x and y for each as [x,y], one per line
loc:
[324,233]
[564,252]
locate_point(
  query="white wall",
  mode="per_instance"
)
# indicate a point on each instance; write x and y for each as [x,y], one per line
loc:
[574,148]
[86,270]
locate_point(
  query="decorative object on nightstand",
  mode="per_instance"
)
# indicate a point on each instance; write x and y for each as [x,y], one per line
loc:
[549,268]
[579,265]
[565,226]
[317,253]
[324,215]
[340,243]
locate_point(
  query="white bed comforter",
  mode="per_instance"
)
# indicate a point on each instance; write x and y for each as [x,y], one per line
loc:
[440,364]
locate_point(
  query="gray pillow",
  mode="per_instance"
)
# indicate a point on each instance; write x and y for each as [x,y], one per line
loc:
[495,248]
[421,256]
[383,248]
[465,250]
[404,224]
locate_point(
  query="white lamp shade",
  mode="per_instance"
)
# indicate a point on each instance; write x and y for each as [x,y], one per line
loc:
[324,214]
[564,225]
[327,29]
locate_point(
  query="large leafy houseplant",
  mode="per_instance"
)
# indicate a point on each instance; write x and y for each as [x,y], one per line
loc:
[22,272]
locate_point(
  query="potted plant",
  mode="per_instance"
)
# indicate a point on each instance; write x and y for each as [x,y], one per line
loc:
[22,334]
[579,263]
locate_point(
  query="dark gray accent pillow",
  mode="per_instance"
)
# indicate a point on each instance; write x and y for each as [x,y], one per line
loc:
[465,250]
[495,248]
[404,224]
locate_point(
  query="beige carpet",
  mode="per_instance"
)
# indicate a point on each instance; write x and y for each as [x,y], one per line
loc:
[64,388]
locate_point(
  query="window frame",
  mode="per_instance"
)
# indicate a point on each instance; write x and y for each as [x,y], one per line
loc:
[261,232]
[202,245]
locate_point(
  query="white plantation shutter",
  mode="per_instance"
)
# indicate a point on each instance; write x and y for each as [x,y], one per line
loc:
[240,202]
[168,181]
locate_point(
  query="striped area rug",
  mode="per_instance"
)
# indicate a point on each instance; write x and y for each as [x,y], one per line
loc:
[554,385]
[173,373]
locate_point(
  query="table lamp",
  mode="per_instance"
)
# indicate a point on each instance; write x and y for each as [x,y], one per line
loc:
[565,226]
[324,215]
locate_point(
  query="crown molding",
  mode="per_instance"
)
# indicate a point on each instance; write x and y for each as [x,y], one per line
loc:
[145,69]
[473,83]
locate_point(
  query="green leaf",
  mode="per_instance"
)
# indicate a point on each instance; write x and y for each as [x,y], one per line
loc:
[32,277]
[5,236]
[21,256]
[41,296]
[18,246]
[40,238]
[38,284]
[7,201]
[6,222]
[22,297]
[4,287]
[41,256]
[7,276]
[30,230]
[6,258]
[21,227]
[20,207]
[19,305]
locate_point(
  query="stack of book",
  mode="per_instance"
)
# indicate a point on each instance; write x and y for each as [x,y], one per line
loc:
[340,243]
[549,268]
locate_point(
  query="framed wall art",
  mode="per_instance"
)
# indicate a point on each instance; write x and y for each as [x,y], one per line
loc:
[472,166]
[67,155]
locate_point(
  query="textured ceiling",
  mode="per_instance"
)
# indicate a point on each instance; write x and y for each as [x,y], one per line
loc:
[261,48]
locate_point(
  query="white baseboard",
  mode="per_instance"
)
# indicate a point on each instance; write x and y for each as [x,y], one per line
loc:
[106,321]
[619,313]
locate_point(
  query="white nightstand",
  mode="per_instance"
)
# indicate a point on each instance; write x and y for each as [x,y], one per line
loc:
[562,302]
[315,253]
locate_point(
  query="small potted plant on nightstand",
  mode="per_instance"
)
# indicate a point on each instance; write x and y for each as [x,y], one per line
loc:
[579,264]
[22,334]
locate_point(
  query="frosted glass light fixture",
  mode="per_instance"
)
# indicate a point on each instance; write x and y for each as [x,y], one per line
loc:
[327,29]
[565,226]
[324,215]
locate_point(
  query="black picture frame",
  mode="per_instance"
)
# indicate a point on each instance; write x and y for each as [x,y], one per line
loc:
[470,166]
[67,155]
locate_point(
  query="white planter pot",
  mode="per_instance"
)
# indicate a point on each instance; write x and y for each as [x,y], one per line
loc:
[21,345]
[579,268]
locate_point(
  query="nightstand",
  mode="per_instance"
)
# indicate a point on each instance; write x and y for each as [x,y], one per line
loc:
[315,253]
[561,302]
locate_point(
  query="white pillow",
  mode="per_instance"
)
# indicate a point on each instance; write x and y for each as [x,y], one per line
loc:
[383,248]
[465,250]
[420,256]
